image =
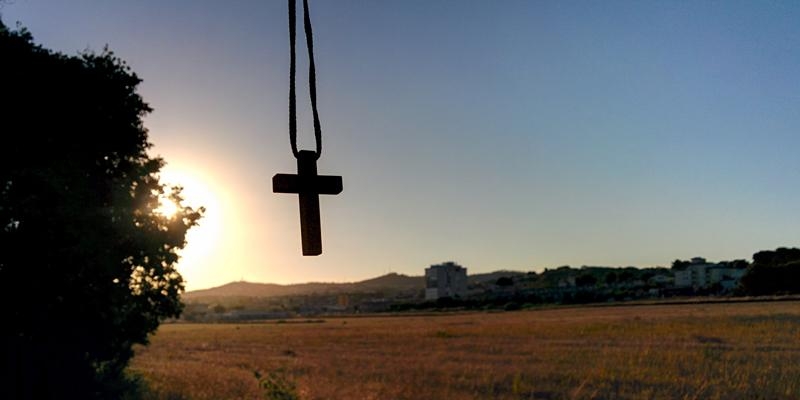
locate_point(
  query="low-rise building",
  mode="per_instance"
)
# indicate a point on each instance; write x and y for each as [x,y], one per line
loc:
[702,274]
[721,273]
[695,275]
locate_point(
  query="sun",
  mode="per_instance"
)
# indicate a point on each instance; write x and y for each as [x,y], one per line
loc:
[166,207]
[203,239]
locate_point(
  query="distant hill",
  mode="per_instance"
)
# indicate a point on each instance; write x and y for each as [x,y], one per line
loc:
[491,277]
[392,282]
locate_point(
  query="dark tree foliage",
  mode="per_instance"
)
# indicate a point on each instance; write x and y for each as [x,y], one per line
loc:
[779,256]
[505,281]
[626,276]
[585,280]
[742,264]
[611,278]
[773,272]
[86,266]
[680,265]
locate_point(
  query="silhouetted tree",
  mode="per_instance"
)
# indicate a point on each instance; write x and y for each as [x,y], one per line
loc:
[626,276]
[738,264]
[680,265]
[611,278]
[86,266]
[779,256]
[505,281]
[773,272]
[585,280]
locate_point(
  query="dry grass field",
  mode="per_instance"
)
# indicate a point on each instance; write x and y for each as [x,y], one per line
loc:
[701,351]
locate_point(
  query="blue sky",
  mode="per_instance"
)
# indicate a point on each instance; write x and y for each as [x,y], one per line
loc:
[514,134]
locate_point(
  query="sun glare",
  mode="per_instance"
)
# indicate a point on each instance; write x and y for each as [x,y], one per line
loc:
[203,239]
[166,207]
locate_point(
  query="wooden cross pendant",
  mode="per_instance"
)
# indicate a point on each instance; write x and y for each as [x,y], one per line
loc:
[308,185]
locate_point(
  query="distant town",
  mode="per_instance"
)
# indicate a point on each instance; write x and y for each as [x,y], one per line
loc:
[448,286]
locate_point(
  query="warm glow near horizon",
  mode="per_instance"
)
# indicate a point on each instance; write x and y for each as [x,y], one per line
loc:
[205,239]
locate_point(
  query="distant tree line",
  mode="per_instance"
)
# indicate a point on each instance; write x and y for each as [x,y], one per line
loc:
[772,272]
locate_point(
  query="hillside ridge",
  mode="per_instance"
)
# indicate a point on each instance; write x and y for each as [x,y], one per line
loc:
[388,282]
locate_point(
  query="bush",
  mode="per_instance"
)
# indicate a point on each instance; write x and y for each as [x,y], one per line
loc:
[87,268]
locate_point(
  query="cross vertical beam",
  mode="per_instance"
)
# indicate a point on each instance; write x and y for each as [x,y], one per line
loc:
[309,208]
[308,185]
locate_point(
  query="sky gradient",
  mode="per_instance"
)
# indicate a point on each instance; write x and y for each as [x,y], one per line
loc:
[500,135]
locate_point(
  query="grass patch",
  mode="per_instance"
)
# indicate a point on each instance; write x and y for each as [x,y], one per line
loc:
[708,351]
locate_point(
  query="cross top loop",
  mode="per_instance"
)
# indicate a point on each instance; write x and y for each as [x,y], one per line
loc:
[312,78]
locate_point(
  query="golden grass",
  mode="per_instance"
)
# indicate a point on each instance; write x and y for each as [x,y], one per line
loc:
[709,351]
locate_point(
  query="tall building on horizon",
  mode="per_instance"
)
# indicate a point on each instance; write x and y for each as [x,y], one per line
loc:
[447,279]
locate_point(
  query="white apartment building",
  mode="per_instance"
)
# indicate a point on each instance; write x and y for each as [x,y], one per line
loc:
[445,280]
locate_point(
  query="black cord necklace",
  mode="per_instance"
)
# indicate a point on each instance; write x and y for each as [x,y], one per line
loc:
[307,184]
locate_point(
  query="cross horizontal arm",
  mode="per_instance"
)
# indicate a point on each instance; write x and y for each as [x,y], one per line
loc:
[319,184]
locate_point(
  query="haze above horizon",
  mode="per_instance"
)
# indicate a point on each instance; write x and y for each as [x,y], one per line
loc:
[515,135]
